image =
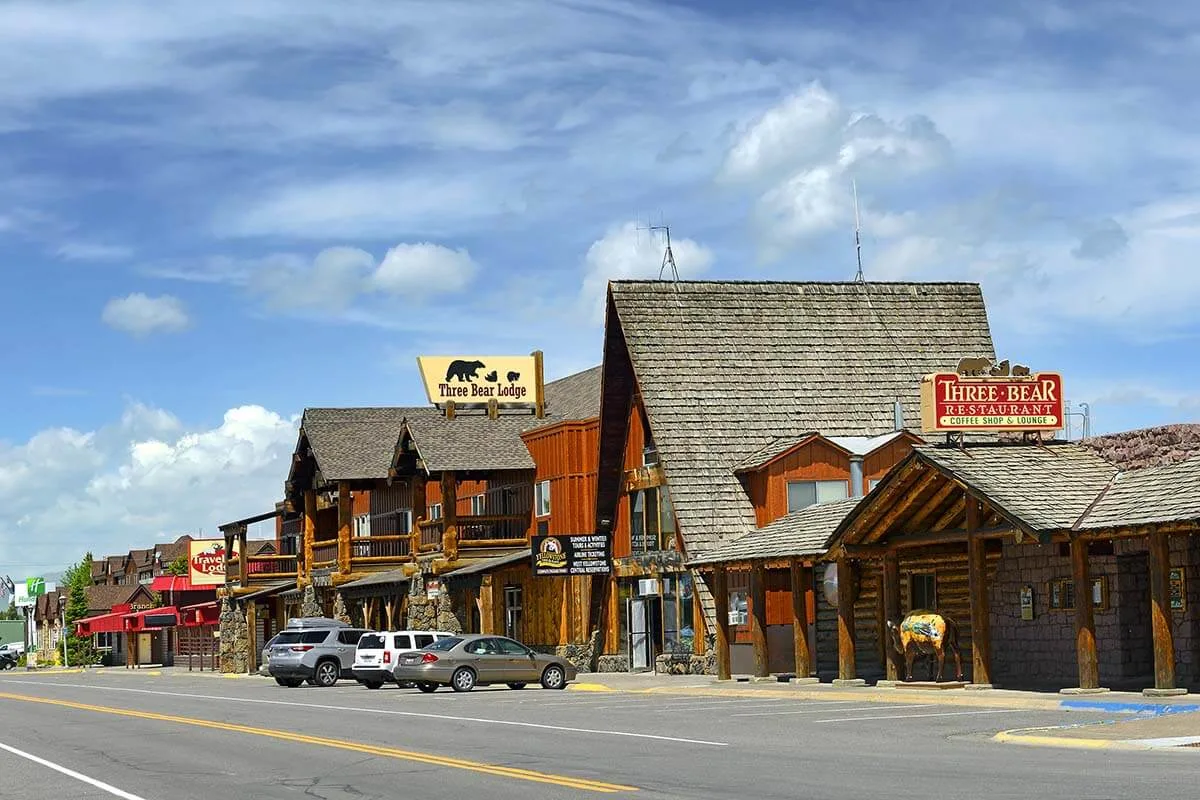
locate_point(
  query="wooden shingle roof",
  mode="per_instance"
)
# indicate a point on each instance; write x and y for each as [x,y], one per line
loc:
[1150,495]
[727,368]
[801,533]
[355,443]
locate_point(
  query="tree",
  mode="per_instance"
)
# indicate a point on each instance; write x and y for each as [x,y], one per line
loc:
[80,649]
[178,567]
[10,612]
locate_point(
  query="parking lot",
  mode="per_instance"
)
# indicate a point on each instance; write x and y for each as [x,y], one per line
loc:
[263,740]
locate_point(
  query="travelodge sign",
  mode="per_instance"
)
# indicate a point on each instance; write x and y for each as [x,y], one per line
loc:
[206,561]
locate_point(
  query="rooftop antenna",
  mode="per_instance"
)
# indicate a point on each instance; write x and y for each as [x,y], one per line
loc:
[857,239]
[668,259]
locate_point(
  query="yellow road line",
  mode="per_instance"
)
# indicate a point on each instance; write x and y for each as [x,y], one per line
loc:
[341,744]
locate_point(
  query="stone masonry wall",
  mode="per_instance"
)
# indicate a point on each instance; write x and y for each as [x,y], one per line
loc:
[235,638]
[1148,447]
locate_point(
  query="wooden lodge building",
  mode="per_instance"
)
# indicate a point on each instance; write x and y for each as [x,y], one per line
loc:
[419,518]
[728,405]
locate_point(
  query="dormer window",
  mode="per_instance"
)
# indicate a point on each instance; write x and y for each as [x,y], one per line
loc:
[802,494]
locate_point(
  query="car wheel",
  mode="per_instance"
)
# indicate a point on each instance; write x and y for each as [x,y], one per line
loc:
[372,684]
[516,686]
[554,678]
[427,687]
[326,674]
[463,680]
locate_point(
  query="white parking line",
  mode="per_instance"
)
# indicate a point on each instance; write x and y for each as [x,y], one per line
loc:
[872,707]
[391,712]
[916,716]
[70,773]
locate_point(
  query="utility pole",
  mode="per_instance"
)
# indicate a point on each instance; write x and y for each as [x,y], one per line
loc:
[62,605]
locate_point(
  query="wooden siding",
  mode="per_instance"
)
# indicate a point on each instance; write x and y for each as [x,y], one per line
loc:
[541,605]
[816,461]
[635,444]
[877,464]
[361,503]
[568,456]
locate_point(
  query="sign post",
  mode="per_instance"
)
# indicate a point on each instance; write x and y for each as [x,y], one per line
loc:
[26,598]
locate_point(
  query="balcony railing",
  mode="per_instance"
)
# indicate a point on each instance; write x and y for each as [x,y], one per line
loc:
[324,554]
[492,530]
[431,534]
[270,568]
[379,549]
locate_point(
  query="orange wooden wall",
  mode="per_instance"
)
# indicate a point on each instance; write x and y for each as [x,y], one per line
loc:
[568,456]
[815,461]
[877,464]
[635,443]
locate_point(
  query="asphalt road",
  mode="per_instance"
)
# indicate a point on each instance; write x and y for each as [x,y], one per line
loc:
[206,738]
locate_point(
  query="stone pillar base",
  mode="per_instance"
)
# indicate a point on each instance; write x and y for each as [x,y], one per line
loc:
[804,681]
[1080,690]
[849,682]
[1164,692]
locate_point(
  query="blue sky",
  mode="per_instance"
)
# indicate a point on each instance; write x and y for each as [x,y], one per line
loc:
[212,216]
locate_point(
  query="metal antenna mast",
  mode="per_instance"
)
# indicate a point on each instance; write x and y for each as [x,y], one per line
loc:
[857,239]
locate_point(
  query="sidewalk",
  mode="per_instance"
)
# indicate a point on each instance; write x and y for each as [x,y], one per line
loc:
[1132,703]
[1179,732]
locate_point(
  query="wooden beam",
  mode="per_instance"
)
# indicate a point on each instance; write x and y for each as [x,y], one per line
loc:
[934,504]
[847,668]
[698,623]
[902,507]
[539,397]
[981,633]
[487,612]
[891,612]
[801,585]
[758,620]
[450,409]
[310,529]
[345,517]
[243,557]
[956,509]
[897,486]
[720,590]
[1160,612]
[1085,625]
[450,515]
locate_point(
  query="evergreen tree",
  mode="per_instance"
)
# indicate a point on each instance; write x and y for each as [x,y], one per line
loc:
[80,649]
[178,567]
[11,612]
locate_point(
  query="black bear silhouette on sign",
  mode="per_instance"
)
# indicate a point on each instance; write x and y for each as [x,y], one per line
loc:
[513,376]
[463,370]
[491,377]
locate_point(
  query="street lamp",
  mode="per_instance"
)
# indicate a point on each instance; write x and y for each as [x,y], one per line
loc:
[62,607]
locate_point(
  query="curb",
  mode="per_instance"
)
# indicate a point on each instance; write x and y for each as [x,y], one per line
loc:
[1065,742]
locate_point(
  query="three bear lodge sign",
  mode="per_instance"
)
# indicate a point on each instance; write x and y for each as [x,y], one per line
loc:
[478,380]
[985,397]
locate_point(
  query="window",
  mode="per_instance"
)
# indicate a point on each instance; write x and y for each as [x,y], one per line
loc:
[478,505]
[872,483]
[922,591]
[404,521]
[423,640]
[541,498]
[362,525]
[435,511]
[372,641]
[802,494]
[650,453]
[510,648]
[651,520]
[512,612]
[402,641]
[1062,594]
[481,647]
[145,577]
[444,645]
[350,636]
[104,641]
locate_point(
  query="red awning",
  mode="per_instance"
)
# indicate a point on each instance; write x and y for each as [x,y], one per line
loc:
[177,583]
[199,614]
[152,619]
[103,623]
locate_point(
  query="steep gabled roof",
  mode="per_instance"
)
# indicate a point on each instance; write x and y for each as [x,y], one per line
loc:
[727,368]
[850,445]
[355,443]
[574,397]
[1150,495]
[801,533]
[101,599]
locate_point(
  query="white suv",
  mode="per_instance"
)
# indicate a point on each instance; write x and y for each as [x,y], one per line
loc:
[377,653]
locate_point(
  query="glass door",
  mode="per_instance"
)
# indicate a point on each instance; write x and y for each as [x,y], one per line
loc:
[639,633]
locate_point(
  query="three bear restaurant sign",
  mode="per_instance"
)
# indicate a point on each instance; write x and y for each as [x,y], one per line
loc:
[467,380]
[989,398]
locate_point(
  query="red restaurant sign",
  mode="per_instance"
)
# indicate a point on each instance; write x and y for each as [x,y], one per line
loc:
[953,402]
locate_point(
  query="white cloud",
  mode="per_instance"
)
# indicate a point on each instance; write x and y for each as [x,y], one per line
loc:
[626,252]
[141,315]
[424,269]
[92,251]
[144,477]
[331,281]
[808,149]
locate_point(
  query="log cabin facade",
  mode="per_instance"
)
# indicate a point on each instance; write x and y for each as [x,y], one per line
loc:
[731,404]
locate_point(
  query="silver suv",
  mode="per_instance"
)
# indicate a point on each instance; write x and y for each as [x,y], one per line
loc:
[314,649]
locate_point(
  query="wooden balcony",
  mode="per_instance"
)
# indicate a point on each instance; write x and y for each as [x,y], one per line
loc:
[324,554]
[368,551]
[485,530]
[261,569]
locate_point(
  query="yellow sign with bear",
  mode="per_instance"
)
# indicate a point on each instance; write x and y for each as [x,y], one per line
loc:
[471,380]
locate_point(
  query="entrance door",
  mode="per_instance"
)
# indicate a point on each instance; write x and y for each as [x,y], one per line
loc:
[640,646]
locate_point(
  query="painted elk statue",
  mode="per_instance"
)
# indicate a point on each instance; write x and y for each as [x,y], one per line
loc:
[925,633]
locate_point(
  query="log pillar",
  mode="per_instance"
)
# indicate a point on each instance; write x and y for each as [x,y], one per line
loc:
[720,591]
[981,630]
[801,585]
[758,619]
[487,607]
[243,556]
[1085,624]
[891,612]
[251,637]
[310,529]
[847,657]
[1160,611]
[420,503]
[450,516]
[345,510]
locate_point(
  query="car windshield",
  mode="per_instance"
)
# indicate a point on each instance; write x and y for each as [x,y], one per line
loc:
[443,645]
[371,641]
